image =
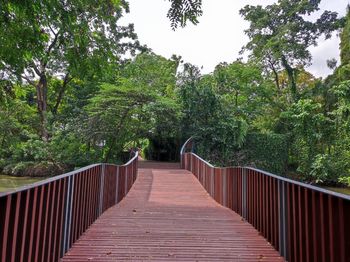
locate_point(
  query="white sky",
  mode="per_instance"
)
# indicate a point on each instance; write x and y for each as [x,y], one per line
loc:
[219,36]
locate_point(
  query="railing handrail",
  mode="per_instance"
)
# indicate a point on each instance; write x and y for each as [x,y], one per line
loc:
[182,151]
[131,159]
[206,162]
[71,173]
[319,189]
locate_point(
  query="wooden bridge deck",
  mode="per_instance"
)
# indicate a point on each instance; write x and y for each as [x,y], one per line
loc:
[167,215]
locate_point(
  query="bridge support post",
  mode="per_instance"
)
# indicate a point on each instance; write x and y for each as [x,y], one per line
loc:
[244,193]
[67,216]
[282,218]
[102,180]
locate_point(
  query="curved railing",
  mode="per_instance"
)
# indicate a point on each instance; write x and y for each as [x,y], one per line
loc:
[40,222]
[303,222]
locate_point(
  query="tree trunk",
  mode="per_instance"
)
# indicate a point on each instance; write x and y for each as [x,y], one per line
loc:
[277,81]
[41,93]
[110,150]
[61,92]
[291,78]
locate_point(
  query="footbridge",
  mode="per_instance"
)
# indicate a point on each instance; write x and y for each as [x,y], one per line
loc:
[188,211]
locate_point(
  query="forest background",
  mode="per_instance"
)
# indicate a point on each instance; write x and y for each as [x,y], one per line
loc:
[79,88]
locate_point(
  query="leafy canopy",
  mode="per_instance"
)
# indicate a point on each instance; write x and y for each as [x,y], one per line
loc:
[280,34]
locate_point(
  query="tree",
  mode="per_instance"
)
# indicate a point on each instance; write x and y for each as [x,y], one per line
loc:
[343,72]
[280,35]
[65,39]
[217,129]
[345,40]
[243,88]
[127,109]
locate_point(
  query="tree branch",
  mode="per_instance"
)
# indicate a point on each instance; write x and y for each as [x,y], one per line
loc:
[272,66]
[66,80]
[52,45]
[31,82]
[36,69]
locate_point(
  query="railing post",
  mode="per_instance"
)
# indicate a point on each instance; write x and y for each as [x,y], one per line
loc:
[191,163]
[132,171]
[198,173]
[102,179]
[187,162]
[136,168]
[67,216]
[212,180]
[282,218]
[117,185]
[184,161]
[126,180]
[224,185]
[244,192]
[204,169]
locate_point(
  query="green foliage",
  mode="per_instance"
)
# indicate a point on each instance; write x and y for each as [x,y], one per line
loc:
[309,131]
[75,39]
[35,157]
[345,180]
[267,152]
[322,169]
[345,41]
[182,11]
[216,127]
[60,36]
[138,104]
[280,35]
[71,151]
[30,157]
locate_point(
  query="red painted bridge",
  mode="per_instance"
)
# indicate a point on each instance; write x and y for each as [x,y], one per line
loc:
[167,215]
[152,211]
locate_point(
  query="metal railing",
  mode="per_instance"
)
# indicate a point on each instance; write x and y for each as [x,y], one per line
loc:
[40,222]
[303,222]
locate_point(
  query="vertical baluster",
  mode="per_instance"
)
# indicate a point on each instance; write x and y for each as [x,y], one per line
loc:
[117,185]
[33,223]
[6,227]
[52,218]
[102,177]
[57,220]
[37,225]
[15,229]
[25,225]
[341,221]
